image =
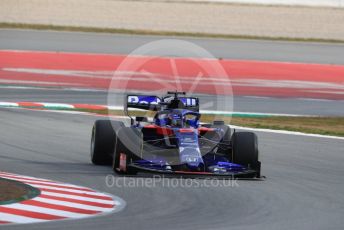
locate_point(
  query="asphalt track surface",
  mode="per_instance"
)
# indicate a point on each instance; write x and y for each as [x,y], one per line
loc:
[303,190]
[240,104]
[321,53]
[304,187]
[123,44]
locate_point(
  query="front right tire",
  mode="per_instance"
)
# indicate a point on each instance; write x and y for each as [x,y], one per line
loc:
[103,141]
[245,150]
[128,147]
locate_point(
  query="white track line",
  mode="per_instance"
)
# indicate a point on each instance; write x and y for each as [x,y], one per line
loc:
[72,106]
[287,132]
[246,128]
[57,105]
[8,104]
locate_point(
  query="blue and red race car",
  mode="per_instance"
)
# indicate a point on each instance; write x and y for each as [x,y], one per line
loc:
[175,142]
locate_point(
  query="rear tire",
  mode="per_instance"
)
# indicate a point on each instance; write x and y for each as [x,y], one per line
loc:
[102,141]
[245,150]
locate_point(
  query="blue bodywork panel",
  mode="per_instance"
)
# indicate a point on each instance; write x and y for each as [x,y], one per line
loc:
[189,152]
[190,155]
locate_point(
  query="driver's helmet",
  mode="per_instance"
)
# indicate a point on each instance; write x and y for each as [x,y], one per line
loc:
[175,120]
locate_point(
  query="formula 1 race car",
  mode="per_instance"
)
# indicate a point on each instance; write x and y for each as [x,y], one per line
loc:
[174,142]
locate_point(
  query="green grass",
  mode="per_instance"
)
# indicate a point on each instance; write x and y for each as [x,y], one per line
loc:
[333,126]
[154,32]
[12,191]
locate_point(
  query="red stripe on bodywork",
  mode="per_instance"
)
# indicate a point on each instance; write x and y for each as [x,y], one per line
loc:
[203,130]
[186,130]
[150,126]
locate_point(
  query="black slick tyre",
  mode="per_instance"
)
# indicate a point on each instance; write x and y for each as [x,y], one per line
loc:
[245,150]
[103,141]
[128,148]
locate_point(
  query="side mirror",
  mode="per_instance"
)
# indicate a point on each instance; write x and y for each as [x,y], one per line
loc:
[141,119]
[219,123]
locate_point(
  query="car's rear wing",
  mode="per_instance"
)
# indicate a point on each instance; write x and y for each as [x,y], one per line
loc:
[144,102]
[190,103]
[155,103]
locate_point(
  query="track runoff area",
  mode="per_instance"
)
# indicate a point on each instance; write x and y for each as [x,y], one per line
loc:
[96,71]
